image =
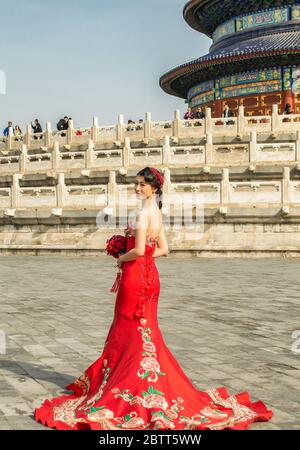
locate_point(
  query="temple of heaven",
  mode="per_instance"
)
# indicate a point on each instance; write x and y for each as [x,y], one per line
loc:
[254,59]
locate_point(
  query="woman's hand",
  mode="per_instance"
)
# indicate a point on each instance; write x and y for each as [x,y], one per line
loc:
[120,262]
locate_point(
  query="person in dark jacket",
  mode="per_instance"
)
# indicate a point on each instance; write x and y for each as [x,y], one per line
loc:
[227,112]
[200,114]
[37,128]
[63,124]
[287,110]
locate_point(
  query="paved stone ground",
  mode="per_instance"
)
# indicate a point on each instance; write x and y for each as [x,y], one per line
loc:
[229,322]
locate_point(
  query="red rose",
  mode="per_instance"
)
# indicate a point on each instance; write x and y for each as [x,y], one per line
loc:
[116,245]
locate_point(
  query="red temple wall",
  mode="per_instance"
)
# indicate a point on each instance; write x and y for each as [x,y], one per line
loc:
[256,104]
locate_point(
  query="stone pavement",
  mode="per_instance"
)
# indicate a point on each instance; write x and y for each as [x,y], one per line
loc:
[229,322]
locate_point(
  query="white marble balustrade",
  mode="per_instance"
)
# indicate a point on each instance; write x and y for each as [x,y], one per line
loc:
[148,129]
[65,157]
[88,196]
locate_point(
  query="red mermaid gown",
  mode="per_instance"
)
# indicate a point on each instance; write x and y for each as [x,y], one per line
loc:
[137,383]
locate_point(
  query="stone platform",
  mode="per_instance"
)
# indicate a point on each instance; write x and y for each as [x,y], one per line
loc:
[227,324]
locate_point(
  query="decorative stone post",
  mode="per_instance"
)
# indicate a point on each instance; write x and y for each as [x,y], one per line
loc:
[94,130]
[225,186]
[241,121]
[166,151]
[23,159]
[209,148]
[70,132]
[207,120]
[89,155]
[48,135]
[60,191]
[176,124]
[126,153]
[15,190]
[147,125]
[285,192]
[28,136]
[120,128]
[55,156]
[252,146]
[274,119]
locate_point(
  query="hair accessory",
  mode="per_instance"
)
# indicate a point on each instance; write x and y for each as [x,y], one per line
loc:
[158,175]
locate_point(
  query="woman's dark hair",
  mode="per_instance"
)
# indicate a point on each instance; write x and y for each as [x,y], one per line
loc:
[152,179]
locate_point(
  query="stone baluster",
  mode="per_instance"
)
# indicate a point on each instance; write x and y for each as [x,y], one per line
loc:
[55,156]
[176,125]
[275,119]
[225,186]
[89,155]
[95,129]
[166,151]
[241,121]
[147,125]
[48,135]
[23,159]
[253,147]
[15,190]
[120,128]
[285,191]
[208,121]
[28,135]
[70,132]
[209,148]
[126,153]
[61,191]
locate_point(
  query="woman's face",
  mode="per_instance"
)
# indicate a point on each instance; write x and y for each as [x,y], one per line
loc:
[142,189]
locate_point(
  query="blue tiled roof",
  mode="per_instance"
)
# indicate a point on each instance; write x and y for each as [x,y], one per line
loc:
[179,79]
[271,42]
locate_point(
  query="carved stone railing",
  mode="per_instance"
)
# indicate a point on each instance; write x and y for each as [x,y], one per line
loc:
[207,153]
[221,194]
[146,130]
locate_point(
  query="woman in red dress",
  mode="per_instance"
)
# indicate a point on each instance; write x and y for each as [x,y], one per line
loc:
[137,383]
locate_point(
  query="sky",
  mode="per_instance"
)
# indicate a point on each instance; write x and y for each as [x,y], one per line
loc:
[86,58]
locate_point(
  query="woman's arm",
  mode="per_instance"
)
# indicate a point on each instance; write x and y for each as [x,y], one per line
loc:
[162,245]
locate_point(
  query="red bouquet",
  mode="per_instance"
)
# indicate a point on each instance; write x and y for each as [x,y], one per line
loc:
[116,246]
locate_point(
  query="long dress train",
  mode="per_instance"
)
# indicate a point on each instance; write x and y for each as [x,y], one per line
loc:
[137,383]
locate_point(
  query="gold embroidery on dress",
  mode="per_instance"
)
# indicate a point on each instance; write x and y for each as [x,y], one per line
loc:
[91,401]
[241,413]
